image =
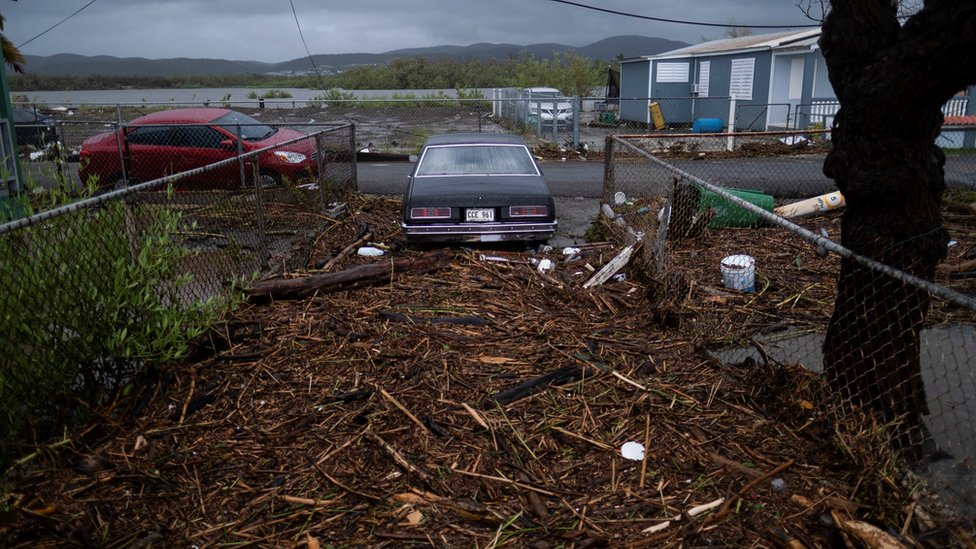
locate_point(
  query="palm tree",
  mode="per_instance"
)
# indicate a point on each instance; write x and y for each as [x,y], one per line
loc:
[11,55]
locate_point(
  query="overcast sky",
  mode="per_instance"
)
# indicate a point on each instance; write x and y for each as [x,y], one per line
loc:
[265,30]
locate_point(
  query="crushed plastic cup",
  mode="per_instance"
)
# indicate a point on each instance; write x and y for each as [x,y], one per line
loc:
[370,251]
[619,198]
[739,272]
[545,266]
[633,451]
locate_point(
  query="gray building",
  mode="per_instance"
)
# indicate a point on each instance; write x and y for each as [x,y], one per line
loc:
[759,82]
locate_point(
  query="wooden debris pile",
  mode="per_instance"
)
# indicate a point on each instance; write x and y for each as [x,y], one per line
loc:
[476,400]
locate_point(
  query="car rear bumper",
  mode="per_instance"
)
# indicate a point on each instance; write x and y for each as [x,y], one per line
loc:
[479,232]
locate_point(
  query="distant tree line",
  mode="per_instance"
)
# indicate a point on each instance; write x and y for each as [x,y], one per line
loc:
[570,73]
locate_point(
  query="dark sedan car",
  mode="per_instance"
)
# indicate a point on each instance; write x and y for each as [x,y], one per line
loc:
[177,140]
[34,130]
[477,187]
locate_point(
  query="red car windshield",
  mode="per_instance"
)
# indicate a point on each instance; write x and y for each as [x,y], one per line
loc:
[251,129]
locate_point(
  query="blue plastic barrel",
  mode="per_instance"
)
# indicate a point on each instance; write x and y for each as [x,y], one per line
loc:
[707,125]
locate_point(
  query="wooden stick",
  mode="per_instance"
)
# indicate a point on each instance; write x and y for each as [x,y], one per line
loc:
[735,466]
[477,417]
[752,484]
[339,484]
[308,501]
[536,504]
[189,396]
[647,443]
[402,461]
[596,443]
[347,250]
[406,412]
[693,512]
[507,481]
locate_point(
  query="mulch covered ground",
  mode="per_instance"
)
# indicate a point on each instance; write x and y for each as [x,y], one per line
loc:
[466,399]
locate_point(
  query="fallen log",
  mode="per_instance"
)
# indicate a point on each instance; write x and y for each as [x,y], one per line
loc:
[299,288]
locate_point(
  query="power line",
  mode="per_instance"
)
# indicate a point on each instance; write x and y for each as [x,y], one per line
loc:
[682,22]
[308,53]
[57,24]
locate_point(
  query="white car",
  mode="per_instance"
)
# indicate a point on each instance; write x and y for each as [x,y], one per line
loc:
[547,104]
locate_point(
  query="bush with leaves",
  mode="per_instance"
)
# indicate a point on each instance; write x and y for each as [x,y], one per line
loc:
[87,300]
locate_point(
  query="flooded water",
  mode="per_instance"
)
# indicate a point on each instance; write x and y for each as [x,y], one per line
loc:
[235,96]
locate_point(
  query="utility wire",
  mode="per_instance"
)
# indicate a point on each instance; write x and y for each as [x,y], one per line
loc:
[308,53]
[56,24]
[683,22]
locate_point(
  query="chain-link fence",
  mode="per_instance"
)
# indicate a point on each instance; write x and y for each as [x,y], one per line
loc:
[93,291]
[755,273]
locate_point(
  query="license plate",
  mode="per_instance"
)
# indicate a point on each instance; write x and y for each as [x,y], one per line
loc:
[479,215]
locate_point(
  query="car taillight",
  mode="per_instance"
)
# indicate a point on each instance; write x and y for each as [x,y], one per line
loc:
[430,213]
[528,211]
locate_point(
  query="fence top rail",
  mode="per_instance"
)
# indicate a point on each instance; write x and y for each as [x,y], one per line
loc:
[933,289]
[93,201]
[721,135]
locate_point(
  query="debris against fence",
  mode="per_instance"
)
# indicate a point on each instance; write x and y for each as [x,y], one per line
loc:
[785,317]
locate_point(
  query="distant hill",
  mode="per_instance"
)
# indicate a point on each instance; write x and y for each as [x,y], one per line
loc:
[105,65]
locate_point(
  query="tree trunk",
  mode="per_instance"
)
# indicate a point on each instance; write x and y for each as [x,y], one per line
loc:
[891,81]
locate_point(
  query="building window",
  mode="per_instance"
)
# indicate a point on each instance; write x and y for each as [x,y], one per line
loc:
[740,85]
[704,68]
[672,72]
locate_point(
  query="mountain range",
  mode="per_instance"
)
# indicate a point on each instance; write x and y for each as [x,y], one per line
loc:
[105,65]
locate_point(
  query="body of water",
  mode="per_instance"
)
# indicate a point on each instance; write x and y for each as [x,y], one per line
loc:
[215,96]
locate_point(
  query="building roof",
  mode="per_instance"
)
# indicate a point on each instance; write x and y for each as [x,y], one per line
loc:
[787,39]
[960,121]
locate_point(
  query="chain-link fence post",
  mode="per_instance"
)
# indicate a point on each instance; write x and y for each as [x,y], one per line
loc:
[259,212]
[320,167]
[354,156]
[608,169]
[730,144]
[577,103]
[240,158]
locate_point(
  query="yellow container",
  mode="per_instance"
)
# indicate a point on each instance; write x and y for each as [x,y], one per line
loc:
[656,115]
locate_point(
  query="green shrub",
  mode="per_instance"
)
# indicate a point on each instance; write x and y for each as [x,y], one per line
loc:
[88,299]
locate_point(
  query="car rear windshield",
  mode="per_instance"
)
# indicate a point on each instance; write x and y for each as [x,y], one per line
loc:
[251,129]
[476,160]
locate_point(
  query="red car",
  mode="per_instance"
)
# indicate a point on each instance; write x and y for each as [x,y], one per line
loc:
[168,142]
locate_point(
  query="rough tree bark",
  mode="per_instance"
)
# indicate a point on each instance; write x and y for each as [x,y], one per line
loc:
[891,81]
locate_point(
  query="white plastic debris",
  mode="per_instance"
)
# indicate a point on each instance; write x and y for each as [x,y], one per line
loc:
[545,266]
[633,451]
[309,187]
[36,155]
[793,140]
[619,277]
[571,251]
[494,258]
[619,198]
[370,251]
